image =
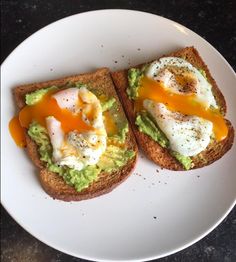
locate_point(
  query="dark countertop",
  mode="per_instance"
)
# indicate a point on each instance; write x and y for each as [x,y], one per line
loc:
[213,20]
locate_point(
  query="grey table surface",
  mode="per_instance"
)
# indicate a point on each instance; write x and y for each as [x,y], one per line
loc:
[213,20]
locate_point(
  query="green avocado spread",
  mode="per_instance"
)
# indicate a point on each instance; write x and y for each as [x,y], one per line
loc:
[111,160]
[144,120]
[36,96]
[108,104]
[121,135]
[147,126]
[134,75]
[119,120]
[184,160]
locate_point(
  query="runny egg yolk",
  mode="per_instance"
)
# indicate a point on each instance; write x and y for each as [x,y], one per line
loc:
[110,125]
[47,106]
[187,104]
[17,132]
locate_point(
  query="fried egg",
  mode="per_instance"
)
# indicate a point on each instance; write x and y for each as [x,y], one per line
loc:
[181,104]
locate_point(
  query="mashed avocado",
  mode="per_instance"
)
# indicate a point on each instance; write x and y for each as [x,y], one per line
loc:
[134,75]
[147,126]
[119,120]
[121,136]
[113,158]
[184,160]
[108,104]
[36,96]
[144,120]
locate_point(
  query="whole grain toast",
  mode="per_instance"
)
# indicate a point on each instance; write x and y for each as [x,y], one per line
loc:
[52,183]
[153,150]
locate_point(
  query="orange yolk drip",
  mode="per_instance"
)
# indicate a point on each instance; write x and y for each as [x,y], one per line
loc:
[110,124]
[111,129]
[47,106]
[17,132]
[187,104]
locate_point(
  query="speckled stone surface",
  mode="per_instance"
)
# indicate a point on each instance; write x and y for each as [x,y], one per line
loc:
[213,20]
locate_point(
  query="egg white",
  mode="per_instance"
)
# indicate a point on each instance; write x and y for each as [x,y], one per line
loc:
[188,135]
[77,150]
[158,70]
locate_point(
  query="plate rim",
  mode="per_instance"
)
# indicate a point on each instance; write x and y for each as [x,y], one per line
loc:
[175,250]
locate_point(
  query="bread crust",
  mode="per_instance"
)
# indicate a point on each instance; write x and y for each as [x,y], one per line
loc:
[52,183]
[152,149]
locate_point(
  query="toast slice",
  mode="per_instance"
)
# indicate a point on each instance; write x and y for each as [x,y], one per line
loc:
[161,156]
[52,183]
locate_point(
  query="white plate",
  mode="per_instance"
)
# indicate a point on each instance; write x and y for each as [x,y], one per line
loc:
[148,216]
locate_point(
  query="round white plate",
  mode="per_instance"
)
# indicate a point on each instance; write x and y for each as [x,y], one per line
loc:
[152,214]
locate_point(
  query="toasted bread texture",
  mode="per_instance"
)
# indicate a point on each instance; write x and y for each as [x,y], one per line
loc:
[161,156]
[52,183]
